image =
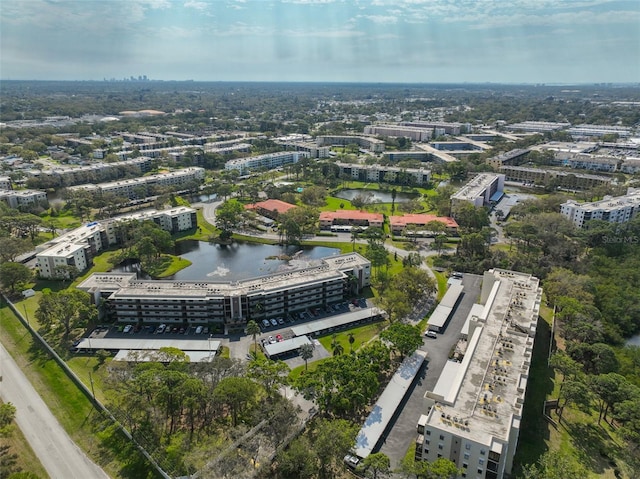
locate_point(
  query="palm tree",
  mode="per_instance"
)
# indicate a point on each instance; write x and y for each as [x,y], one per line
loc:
[306,353]
[352,340]
[254,329]
[336,347]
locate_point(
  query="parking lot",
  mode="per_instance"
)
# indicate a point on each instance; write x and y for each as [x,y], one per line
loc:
[402,433]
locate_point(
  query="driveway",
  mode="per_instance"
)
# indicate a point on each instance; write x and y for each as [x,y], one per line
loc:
[59,455]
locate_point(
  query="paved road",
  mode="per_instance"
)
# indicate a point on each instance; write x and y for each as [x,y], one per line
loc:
[57,452]
[403,430]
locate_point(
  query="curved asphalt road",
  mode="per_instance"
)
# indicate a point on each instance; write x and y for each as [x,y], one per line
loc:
[58,454]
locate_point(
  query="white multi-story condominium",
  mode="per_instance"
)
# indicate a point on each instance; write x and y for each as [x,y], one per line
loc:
[408,155]
[268,161]
[630,166]
[78,247]
[614,209]
[538,126]
[562,179]
[412,132]
[480,191]
[473,414]
[82,174]
[440,127]
[330,281]
[5,183]
[366,142]
[21,198]
[385,174]
[309,147]
[587,131]
[131,188]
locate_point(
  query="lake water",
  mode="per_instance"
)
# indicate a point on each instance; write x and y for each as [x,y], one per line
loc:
[377,196]
[214,262]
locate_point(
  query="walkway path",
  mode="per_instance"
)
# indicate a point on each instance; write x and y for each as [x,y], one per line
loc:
[57,452]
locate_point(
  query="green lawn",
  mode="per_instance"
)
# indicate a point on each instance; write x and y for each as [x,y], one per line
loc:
[361,334]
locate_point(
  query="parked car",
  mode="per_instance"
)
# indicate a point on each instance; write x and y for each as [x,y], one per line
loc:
[161,329]
[280,320]
[271,340]
[199,330]
[351,460]
[273,322]
[431,334]
[266,323]
[279,337]
[127,328]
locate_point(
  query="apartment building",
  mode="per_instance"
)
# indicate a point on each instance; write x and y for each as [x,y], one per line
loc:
[268,161]
[440,127]
[473,414]
[132,188]
[590,131]
[399,224]
[232,303]
[396,156]
[481,190]
[614,209]
[296,144]
[350,218]
[412,132]
[5,183]
[368,143]
[562,179]
[538,126]
[78,247]
[23,198]
[385,174]
[513,157]
[271,208]
[95,172]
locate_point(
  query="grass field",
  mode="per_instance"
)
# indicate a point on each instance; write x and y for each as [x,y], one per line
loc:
[361,335]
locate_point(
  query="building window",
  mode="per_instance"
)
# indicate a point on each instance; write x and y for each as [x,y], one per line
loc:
[482,452]
[466,455]
[481,461]
[426,441]
[480,470]
[441,437]
[441,446]
[428,432]
[467,446]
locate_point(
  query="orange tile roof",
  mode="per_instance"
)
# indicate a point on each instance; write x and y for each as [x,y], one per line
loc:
[420,219]
[272,205]
[351,215]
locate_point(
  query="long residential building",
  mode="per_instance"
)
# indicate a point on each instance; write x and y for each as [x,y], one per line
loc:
[480,191]
[78,247]
[562,179]
[412,132]
[538,126]
[133,188]
[350,218]
[232,304]
[366,142]
[473,414]
[513,157]
[588,131]
[398,224]
[268,161]
[385,174]
[617,209]
[23,198]
[440,127]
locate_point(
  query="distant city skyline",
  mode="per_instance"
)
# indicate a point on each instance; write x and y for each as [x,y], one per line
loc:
[388,41]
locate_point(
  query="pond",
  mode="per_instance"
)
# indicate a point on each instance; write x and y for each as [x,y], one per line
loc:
[214,262]
[633,341]
[377,196]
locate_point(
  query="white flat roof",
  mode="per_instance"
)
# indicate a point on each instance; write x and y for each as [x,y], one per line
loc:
[286,346]
[451,296]
[387,404]
[335,321]
[137,355]
[149,344]
[439,316]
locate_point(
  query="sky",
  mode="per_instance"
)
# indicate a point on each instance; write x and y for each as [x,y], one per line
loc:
[406,41]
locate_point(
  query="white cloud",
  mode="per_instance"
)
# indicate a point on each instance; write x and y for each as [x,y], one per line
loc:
[381,19]
[195,4]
